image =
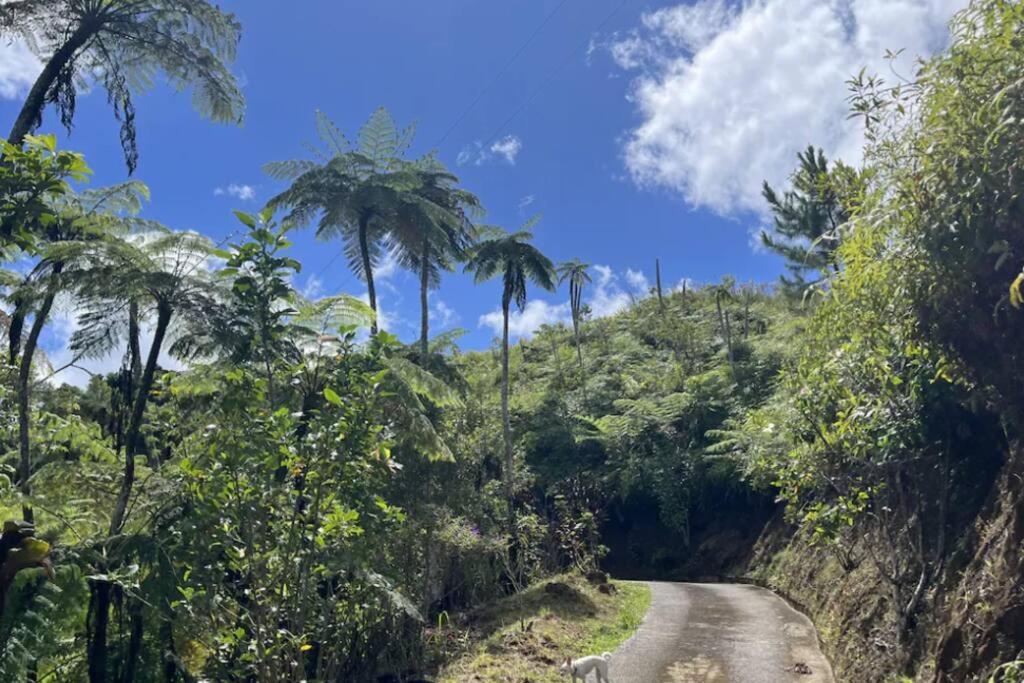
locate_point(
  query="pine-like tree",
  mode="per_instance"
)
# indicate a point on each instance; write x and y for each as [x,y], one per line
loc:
[808,219]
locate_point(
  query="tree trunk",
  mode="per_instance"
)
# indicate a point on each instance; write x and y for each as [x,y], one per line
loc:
[424,303]
[98,641]
[101,589]
[25,390]
[506,425]
[576,304]
[723,321]
[170,654]
[728,343]
[14,332]
[134,348]
[135,615]
[657,280]
[364,251]
[163,319]
[31,114]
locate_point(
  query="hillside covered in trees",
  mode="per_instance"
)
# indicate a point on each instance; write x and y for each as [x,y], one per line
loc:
[273,486]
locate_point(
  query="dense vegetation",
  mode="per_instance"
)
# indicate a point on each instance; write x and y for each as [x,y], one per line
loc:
[309,492]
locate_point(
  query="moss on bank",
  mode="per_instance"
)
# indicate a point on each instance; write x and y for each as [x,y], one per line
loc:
[524,637]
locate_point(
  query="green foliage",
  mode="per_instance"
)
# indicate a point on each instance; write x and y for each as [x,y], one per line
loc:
[125,46]
[294,521]
[32,180]
[809,219]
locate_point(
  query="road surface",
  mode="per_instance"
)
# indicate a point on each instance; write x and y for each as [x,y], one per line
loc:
[720,633]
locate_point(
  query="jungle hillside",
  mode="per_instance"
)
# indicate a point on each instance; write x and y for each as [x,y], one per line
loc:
[274,484]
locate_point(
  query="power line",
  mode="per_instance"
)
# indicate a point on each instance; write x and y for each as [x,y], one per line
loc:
[501,72]
[526,103]
[554,74]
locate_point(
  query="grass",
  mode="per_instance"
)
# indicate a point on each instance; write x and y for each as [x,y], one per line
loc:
[523,638]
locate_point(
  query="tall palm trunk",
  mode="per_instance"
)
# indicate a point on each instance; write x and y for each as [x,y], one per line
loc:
[134,348]
[575,303]
[25,390]
[14,331]
[102,589]
[506,425]
[657,279]
[364,252]
[424,302]
[31,114]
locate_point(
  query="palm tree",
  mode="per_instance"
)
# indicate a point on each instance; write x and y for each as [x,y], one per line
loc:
[517,261]
[355,190]
[164,273]
[433,231]
[124,44]
[576,272]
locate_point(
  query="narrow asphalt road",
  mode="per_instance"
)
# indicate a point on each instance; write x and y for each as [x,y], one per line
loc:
[720,633]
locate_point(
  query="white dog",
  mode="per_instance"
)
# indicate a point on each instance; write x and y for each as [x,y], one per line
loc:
[581,668]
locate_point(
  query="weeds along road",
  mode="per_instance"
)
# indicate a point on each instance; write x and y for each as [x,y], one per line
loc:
[718,633]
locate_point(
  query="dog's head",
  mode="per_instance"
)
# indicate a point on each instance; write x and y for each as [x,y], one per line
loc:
[566,666]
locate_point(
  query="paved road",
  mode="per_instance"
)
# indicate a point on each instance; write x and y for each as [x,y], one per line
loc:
[720,633]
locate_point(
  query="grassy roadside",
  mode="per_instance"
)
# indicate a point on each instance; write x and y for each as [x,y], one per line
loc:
[522,638]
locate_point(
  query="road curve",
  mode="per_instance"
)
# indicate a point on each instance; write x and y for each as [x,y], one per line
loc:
[720,633]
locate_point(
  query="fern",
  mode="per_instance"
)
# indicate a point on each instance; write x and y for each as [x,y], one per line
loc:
[26,630]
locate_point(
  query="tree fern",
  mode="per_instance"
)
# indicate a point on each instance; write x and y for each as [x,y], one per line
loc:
[124,45]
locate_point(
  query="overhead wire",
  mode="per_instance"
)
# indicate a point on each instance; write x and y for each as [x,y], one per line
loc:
[554,74]
[501,72]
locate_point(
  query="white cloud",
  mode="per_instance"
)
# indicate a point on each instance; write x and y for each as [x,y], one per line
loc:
[506,149]
[313,288]
[242,192]
[523,324]
[442,315]
[608,297]
[387,267]
[467,153]
[729,93]
[18,69]
[638,282]
[692,27]
[526,202]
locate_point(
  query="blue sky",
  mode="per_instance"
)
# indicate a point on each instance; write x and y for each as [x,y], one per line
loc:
[647,138]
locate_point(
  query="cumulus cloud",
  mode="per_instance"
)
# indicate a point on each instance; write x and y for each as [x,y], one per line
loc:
[442,315]
[523,324]
[242,192]
[505,149]
[605,296]
[728,93]
[638,282]
[18,69]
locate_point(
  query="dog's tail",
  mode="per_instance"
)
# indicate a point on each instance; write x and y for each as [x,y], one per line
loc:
[607,656]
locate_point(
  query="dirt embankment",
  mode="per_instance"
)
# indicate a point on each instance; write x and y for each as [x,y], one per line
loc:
[968,620]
